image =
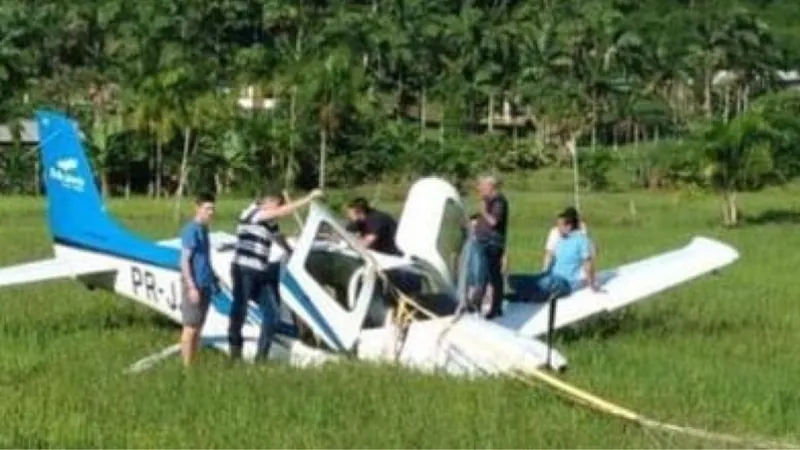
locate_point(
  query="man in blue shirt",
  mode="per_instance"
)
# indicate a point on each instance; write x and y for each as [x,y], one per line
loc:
[199,281]
[563,276]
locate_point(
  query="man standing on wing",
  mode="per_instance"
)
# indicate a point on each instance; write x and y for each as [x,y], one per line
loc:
[491,232]
[199,281]
[252,274]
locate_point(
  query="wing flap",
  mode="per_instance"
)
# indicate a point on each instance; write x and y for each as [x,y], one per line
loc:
[624,285]
[51,269]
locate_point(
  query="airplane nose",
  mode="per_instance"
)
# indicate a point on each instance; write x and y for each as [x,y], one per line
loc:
[496,349]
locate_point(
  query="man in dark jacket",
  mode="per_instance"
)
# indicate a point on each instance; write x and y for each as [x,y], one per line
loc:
[376,228]
[491,231]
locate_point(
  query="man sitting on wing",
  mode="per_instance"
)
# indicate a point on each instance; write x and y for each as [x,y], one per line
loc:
[554,236]
[571,267]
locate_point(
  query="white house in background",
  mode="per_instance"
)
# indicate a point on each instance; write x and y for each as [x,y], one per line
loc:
[249,98]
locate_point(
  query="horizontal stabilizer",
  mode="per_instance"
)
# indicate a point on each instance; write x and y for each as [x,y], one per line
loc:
[623,286]
[51,269]
[218,239]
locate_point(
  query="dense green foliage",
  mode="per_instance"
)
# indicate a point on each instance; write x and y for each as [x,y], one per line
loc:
[718,353]
[382,88]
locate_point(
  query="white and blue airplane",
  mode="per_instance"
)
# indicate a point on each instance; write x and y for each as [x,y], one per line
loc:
[345,295]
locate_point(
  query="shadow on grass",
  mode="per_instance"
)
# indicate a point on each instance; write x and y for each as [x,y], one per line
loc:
[669,322]
[773,216]
[57,327]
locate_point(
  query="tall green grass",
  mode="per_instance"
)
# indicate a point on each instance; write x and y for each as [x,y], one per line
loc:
[719,353]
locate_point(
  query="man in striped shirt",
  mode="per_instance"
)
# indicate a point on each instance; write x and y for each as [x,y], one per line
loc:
[252,274]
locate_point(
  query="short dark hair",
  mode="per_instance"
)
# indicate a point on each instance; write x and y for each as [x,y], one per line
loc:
[204,197]
[475,216]
[571,212]
[359,204]
[273,194]
[570,215]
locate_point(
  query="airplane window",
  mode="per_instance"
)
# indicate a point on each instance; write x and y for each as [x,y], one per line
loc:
[333,266]
[452,236]
[424,285]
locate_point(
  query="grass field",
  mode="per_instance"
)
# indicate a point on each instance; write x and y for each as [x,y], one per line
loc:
[718,353]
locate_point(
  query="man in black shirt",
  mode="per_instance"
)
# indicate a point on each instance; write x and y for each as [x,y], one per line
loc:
[491,231]
[376,228]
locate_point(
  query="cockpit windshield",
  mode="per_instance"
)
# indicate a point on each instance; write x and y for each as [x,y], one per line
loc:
[425,285]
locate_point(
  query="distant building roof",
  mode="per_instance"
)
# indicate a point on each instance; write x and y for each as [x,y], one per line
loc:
[29,133]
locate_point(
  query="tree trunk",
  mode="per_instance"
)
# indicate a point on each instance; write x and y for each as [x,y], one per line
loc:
[707,94]
[490,114]
[151,165]
[187,140]
[104,182]
[37,185]
[726,112]
[738,100]
[422,113]
[745,97]
[289,178]
[218,183]
[572,146]
[323,138]
[127,181]
[158,171]
[730,208]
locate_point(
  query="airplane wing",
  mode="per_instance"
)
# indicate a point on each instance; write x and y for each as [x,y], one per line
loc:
[51,269]
[623,286]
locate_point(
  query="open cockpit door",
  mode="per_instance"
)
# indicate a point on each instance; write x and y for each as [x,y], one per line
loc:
[433,226]
[328,281]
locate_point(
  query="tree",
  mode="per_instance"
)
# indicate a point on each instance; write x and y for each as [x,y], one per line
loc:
[738,156]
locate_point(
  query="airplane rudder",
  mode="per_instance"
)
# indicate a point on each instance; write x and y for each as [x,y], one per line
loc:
[72,195]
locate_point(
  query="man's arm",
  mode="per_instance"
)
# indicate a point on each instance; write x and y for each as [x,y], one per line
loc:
[291,207]
[372,227]
[189,243]
[589,265]
[549,248]
[493,215]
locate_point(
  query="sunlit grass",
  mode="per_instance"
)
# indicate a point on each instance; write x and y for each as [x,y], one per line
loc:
[718,353]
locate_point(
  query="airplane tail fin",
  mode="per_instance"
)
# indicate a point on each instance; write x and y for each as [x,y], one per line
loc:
[75,208]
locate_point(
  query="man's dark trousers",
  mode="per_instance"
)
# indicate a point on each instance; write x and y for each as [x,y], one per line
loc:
[250,284]
[494,265]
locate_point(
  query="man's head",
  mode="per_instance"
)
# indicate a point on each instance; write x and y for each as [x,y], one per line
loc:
[271,199]
[204,207]
[357,209]
[488,186]
[567,221]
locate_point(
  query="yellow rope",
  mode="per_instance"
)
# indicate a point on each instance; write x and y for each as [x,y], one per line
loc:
[585,398]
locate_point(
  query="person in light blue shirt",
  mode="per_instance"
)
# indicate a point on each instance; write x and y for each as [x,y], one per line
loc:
[572,258]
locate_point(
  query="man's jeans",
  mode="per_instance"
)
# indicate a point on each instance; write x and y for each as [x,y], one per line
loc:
[494,264]
[249,284]
[539,287]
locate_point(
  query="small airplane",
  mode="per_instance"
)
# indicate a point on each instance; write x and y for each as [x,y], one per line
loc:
[338,299]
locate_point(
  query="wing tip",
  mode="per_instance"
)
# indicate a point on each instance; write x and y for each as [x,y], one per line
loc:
[722,248]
